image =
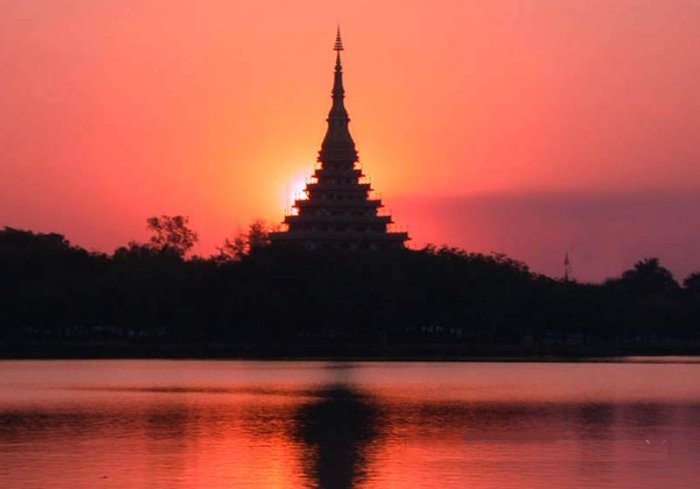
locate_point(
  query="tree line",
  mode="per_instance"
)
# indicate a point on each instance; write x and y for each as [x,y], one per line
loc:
[54,292]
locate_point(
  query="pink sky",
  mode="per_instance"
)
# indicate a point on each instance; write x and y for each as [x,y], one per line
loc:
[579,116]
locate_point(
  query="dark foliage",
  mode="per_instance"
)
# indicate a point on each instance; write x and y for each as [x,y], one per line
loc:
[149,293]
[692,282]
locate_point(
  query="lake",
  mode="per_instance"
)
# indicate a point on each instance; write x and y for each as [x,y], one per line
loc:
[248,424]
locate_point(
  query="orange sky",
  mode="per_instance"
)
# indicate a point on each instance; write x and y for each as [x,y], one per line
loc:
[120,109]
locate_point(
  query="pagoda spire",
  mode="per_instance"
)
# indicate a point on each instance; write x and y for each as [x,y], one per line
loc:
[338,145]
[338,211]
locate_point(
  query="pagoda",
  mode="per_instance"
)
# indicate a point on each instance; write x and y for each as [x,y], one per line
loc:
[338,212]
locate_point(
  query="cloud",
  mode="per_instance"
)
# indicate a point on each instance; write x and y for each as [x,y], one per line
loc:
[604,233]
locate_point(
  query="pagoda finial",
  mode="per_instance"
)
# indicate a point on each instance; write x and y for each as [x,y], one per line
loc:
[338,41]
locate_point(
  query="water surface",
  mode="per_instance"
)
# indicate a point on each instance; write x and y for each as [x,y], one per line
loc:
[236,424]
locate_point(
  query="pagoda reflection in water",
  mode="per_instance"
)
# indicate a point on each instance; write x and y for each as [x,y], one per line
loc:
[338,213]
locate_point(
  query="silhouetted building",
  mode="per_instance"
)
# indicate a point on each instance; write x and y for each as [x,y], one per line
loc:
[338,212]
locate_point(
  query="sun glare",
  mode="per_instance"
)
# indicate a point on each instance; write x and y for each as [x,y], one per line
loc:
[294,189]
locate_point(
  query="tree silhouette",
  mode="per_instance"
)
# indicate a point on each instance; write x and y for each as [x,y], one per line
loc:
[648,277]
[241,245]
[277,300]
[692,282]
[258,234]
[233,249]
[171,234]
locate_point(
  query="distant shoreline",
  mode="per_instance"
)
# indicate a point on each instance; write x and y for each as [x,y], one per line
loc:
[461,353]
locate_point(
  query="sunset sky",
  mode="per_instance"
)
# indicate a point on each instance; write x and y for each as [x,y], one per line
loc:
[526,127]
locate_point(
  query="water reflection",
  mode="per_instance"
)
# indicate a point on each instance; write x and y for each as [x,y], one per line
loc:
[337,429]
[288,425]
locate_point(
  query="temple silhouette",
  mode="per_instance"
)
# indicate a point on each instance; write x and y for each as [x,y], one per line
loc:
[338,212]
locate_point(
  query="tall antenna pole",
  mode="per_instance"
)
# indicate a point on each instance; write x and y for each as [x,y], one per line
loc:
[568,270]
